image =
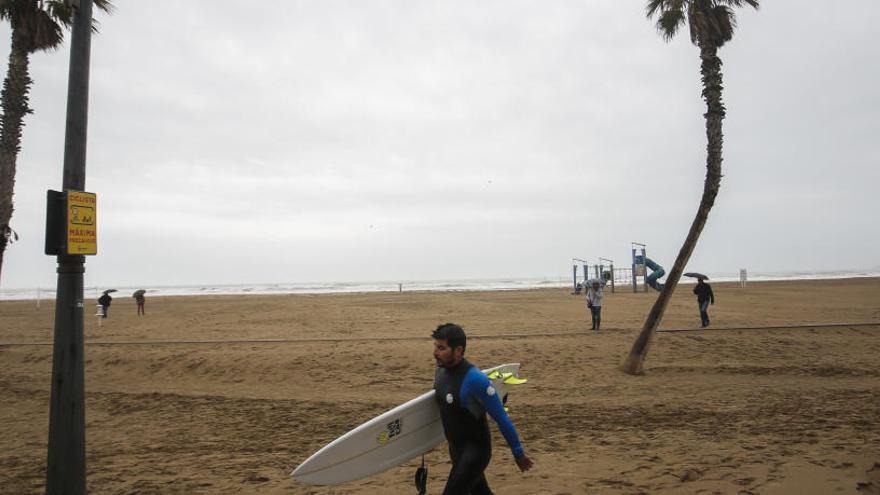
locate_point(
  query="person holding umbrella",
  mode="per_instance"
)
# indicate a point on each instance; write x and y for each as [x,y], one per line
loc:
[704,297]
[595,294]
[104,301]
[140,300]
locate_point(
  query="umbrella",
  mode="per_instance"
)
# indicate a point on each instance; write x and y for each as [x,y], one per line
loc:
[109,291]
[696,275]
[138,293]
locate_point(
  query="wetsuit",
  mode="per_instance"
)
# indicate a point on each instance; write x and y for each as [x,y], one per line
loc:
[464,395]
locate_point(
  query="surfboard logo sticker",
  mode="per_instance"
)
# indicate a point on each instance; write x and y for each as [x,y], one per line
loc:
[391,430]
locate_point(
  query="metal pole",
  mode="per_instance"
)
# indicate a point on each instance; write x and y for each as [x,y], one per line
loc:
[635,284]
[66,460]
[602,271]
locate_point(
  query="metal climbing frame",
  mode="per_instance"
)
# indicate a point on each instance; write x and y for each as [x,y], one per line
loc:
[598,271]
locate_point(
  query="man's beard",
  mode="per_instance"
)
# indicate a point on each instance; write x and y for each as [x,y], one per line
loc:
[445,364]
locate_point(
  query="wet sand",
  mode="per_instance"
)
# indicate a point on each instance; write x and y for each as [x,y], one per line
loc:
[174,407]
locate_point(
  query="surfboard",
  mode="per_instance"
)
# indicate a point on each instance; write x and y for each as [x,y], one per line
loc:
[390,439]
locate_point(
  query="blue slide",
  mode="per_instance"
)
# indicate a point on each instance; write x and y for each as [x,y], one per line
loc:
[657,271]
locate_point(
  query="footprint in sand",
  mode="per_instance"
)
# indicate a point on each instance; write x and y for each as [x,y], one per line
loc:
[872,485]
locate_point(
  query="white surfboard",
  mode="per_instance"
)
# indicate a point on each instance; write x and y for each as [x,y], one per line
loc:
[390,439]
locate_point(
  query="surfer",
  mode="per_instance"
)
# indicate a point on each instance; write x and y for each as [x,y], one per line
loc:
[464,395]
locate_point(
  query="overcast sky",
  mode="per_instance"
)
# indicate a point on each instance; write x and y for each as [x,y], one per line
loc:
[353,140]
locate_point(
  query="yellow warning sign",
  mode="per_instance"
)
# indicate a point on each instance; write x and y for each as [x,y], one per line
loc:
[82,228]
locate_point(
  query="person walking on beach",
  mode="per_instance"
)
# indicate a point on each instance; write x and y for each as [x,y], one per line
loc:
[140,300]
[465,394]
[704,298]
[104,301]
[595,294]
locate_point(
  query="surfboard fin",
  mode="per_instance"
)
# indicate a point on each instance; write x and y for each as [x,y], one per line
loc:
[511,379]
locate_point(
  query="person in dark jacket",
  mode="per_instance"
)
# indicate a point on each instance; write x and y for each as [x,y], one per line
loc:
[704,298]
[104,301]
[464,395]
[140,300]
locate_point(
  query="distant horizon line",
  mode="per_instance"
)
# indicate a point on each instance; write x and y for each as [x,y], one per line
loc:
[843,273]
[449,284]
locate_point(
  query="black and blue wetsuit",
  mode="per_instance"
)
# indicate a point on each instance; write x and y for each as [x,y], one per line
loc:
[465,394]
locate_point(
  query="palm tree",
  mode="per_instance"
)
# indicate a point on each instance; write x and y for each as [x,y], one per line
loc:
[37,25]
[711,24]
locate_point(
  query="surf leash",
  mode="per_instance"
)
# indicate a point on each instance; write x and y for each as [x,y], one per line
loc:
[422,478]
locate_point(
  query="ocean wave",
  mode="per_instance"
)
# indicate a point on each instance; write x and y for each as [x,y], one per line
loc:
[507,283]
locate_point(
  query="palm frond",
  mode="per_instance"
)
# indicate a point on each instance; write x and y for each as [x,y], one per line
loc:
[63,11]
[61,6]
[655,6]
[41,31]
[5,9]
[740,3]
[10,235]
[669,23]
[108,8]
[723,24]
[60,11]
[712,20]
[697,23]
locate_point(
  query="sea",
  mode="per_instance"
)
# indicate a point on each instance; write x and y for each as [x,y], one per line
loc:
[492,284]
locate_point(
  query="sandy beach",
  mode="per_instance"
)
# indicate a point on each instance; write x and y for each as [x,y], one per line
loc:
[227,394]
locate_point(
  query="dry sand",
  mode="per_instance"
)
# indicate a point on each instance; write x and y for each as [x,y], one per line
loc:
[731,409]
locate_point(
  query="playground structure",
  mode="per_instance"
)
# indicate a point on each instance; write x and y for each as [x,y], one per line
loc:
[604,270]
[640,266]
[643,273]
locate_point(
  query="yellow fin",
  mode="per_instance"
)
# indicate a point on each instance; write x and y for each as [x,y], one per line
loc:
[513,380]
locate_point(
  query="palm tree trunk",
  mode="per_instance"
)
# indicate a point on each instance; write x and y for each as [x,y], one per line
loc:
[712,88]
[14,103]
